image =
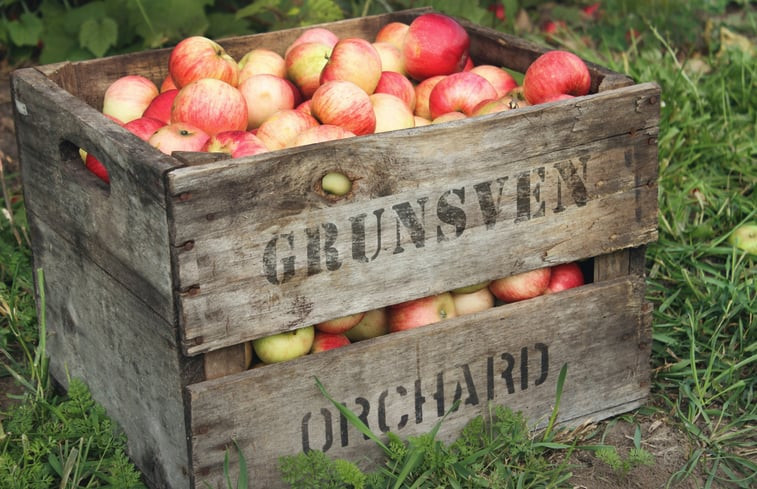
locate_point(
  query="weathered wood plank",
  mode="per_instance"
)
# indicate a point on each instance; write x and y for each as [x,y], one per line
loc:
[404,382]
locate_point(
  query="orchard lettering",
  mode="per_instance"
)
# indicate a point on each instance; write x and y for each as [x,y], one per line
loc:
[427,220]
[397,407]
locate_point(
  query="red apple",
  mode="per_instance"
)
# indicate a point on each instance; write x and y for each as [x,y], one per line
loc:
[281,129]
[422,93]
[314,34]
[342,103]
[321,133]
[211,105]
[127,98]
[391,57]
[459,92]
[341,324]
[501,80]
[565,276]
[235,143]
[398,85]
[178,136]
[144,127]
[304,106]
[328,341]
[167,84]
[435,44]
[356,60]
[374,323]
[421,312]
[197,57]
[448,116]
[304,64]
[521,286]
[265,95]
[393,33]
[259,61]
[554,73]
[96,167]
[160,106]
[470,302]
[391,112]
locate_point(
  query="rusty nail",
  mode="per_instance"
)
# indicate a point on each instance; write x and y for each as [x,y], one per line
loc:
[188,246]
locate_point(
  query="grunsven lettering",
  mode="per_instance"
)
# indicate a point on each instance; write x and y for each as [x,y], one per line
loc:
[395,408]
[435,218]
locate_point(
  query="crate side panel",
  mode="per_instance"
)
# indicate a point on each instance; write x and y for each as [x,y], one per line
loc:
[285,258]
[99,332]
[405,382]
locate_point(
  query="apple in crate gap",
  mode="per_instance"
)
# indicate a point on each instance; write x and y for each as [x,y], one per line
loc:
[96,167]
[281,129]
[422,93]
[393,33]
[211,105]
[127,98]
[391,112]
[304,64]
[328,341]
[261,61]
[391,57]
[356,60]
[421,312]
[555,73]
[265,95]
[435,44]
[374,323]
[235,143]
[501,80]
[314,34]
[475,301]
[160,106]
[398,85]
[521,286]
[471,288]
[284,346]
[565,276]
[321,133]
[460,92]
[341,324]
[178,136]
[342,103]
[197,57]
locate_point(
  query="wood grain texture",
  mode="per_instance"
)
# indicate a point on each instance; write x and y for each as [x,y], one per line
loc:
[584,187]
[404,382]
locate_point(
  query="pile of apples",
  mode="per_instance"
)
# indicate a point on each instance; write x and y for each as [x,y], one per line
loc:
[339,332]
[324,87]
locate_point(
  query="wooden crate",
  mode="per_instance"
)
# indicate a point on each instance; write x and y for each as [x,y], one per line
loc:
[177,262]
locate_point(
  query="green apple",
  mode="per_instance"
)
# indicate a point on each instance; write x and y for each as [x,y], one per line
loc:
[745,237]
[373,324]
[471,288]
[284,346]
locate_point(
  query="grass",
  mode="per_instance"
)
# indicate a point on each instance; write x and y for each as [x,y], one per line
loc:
[704,290]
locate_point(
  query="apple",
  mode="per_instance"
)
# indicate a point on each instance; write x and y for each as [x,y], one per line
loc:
[421,312]
[521,286]
[492,106]
[342,103]
[304,106]
[314,34]
[235,143]
[265,95]
[399,85]
[321,133]
[391,57]
[448,117]
[393,33]
[470,302]
[435,44]
[127,97]
[374,323]
[391,113]
[553,73]
[341,324]
[422,93]
[211,105]
[356,60]
[144,127]
[167,84]
[160,106]
[328,341]
[178,136]
[501,80]
[421,121]
[260,61]
[744,237]
[304,64]
[96,167]
[284,346]
[197,57]
[471,288]
[281,129]
[460,92]
[565,276]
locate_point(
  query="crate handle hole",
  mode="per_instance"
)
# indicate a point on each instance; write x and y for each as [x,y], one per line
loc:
[83,166]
